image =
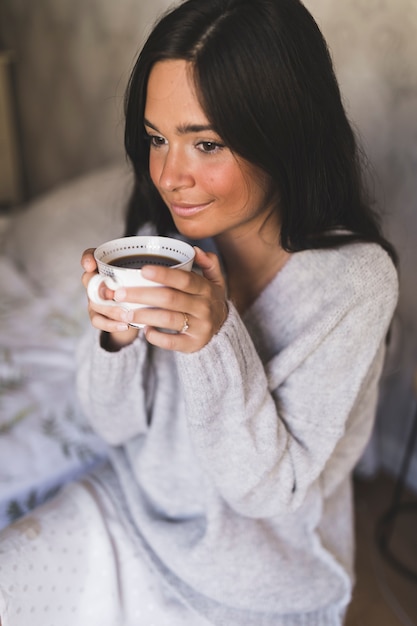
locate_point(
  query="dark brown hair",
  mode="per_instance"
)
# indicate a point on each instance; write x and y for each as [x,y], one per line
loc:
[266,82]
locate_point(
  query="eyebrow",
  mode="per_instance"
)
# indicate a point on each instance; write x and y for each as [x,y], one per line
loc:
[183,129]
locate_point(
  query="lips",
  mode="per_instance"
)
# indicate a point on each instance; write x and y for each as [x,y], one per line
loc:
[187,210]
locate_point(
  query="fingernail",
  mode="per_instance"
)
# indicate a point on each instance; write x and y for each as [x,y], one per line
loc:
[127,316]
[148,271]
[122,327]
[120,294]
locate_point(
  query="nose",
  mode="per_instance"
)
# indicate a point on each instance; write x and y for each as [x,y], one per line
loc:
[175,172]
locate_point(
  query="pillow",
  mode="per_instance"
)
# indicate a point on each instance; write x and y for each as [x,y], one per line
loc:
[46,238]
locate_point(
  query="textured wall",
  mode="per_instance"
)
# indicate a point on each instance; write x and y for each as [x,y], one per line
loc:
[374,47]
[72,62]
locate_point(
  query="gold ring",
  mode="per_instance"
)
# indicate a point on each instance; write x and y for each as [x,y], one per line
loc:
[185,326]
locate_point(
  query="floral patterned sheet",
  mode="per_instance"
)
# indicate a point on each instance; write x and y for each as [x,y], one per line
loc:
[45,440]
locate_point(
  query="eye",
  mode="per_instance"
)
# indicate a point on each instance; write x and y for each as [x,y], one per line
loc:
[155,141]
[209,146]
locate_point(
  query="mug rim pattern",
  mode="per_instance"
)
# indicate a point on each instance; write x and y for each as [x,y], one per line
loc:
[147,244]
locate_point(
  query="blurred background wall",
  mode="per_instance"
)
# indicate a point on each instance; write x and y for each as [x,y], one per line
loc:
[71,63]
[374,48]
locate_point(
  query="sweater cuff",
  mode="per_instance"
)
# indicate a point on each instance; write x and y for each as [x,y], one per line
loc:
[114,364]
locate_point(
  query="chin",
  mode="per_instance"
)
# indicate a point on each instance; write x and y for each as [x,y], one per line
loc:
[194,231]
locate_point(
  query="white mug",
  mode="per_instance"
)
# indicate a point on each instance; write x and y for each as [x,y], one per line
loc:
[119,262]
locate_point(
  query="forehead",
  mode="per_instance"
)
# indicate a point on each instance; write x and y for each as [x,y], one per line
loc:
[171,90]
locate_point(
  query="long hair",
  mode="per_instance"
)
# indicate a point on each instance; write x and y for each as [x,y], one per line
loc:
[265,80]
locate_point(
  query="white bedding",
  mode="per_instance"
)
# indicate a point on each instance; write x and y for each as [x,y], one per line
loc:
[44,437]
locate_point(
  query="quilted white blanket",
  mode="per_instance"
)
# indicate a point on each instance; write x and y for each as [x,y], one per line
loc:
[44,438]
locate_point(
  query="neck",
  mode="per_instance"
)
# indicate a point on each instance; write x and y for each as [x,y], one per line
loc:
[251,262]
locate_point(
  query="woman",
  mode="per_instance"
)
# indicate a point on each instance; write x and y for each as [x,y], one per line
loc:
[228,497]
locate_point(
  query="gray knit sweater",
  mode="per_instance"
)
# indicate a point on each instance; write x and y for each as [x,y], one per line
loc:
[235,461]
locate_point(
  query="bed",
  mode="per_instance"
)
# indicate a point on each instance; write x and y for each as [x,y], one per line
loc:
[45,440]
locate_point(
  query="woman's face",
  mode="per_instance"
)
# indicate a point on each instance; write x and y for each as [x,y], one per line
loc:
[208,190]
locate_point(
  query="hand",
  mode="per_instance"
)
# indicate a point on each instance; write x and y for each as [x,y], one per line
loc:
[200,300]
[110,319]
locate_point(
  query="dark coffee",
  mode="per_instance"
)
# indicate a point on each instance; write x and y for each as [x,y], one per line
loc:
[137,261]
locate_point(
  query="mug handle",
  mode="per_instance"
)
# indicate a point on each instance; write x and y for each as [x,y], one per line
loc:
[94,286]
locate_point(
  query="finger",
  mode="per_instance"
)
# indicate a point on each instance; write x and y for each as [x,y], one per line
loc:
[104,292]
[111,312]
[180,342]
[181,280]
[189,282]
[154,297]
[111,326]
[88,261]
[86,277]
[163,320]
[104,323]
[210,266]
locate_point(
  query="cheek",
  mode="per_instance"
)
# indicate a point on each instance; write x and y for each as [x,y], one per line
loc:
[227,183]
[155,168]
[234,189]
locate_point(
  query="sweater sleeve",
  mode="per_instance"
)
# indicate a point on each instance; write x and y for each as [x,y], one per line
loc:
[265,432]
[114,387]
